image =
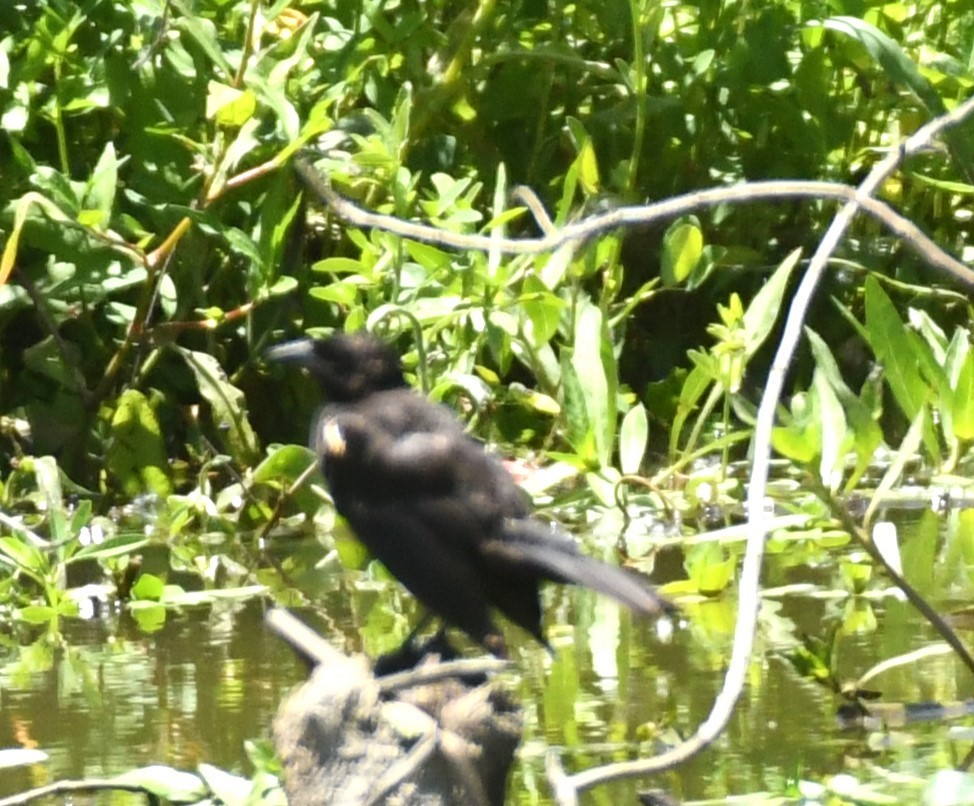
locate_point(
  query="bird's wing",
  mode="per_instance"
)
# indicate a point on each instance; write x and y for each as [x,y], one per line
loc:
[416,447]
[442,574]
[529,544]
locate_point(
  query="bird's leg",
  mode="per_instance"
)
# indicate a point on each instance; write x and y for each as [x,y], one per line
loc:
[412,651]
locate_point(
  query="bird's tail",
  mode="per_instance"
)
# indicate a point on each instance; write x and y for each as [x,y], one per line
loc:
[531,544]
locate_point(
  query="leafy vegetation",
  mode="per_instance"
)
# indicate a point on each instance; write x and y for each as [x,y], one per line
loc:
[155,239]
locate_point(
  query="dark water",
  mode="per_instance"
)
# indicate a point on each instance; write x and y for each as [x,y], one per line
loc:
[102,697]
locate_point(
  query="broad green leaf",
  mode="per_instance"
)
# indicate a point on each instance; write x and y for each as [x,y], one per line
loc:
[37,614]
[953,357]
[338,265]
[594,366]
[694,387]
[801,445]
[578,428]
[682,248]
[341,293]
[49,481]
[287,463]
[801,439]
[429,257]
[902,457]
[633,436]
[150,616]
[228,406]
[24,556]
[81,516]
[931,368]
[763,312]
[833,432]
[542,308]
[112,547]
[919,549]
[709,568]
[100,195]
[277,215]
[888,338]
[962,411]
[866,434]
[585,166]
[555,267]
[205,34]
[229,106]
[56,360]
[588,169]
[148,587]
[136,455]
[931,332]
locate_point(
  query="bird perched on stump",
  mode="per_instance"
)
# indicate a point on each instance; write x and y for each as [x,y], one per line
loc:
[443,516]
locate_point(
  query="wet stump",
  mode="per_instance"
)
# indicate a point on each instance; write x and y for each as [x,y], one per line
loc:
[433,735]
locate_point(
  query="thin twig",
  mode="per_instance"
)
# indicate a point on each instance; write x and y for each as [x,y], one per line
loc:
[643,214]
[435,672]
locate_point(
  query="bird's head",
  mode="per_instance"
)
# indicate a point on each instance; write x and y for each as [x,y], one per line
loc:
[349,367]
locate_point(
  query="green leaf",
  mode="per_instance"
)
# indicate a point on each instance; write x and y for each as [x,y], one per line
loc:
[341,293]
[962,411]
[763,312]
[136,456]
[682,249]
[287,463]
[37,614]
[229,106]
[338,265]
[867,436]
[228,406]
[100,195]
[578,430]
[801,439]
[887,337]
[588,169]
[633,436]
[801,445]
[150,616]
[80,517]
[542,308]
[117,546]
[697,382]
[585,167]
[709,568]
[25,557]
[148,587]
[833,432]
[426,255]
[594,365]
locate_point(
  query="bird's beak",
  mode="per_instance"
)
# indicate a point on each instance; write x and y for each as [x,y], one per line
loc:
[299,351]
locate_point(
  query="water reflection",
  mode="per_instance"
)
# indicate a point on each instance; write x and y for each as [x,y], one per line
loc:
[104,697]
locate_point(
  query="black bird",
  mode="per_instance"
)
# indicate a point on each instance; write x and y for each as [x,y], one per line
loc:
[443,515]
